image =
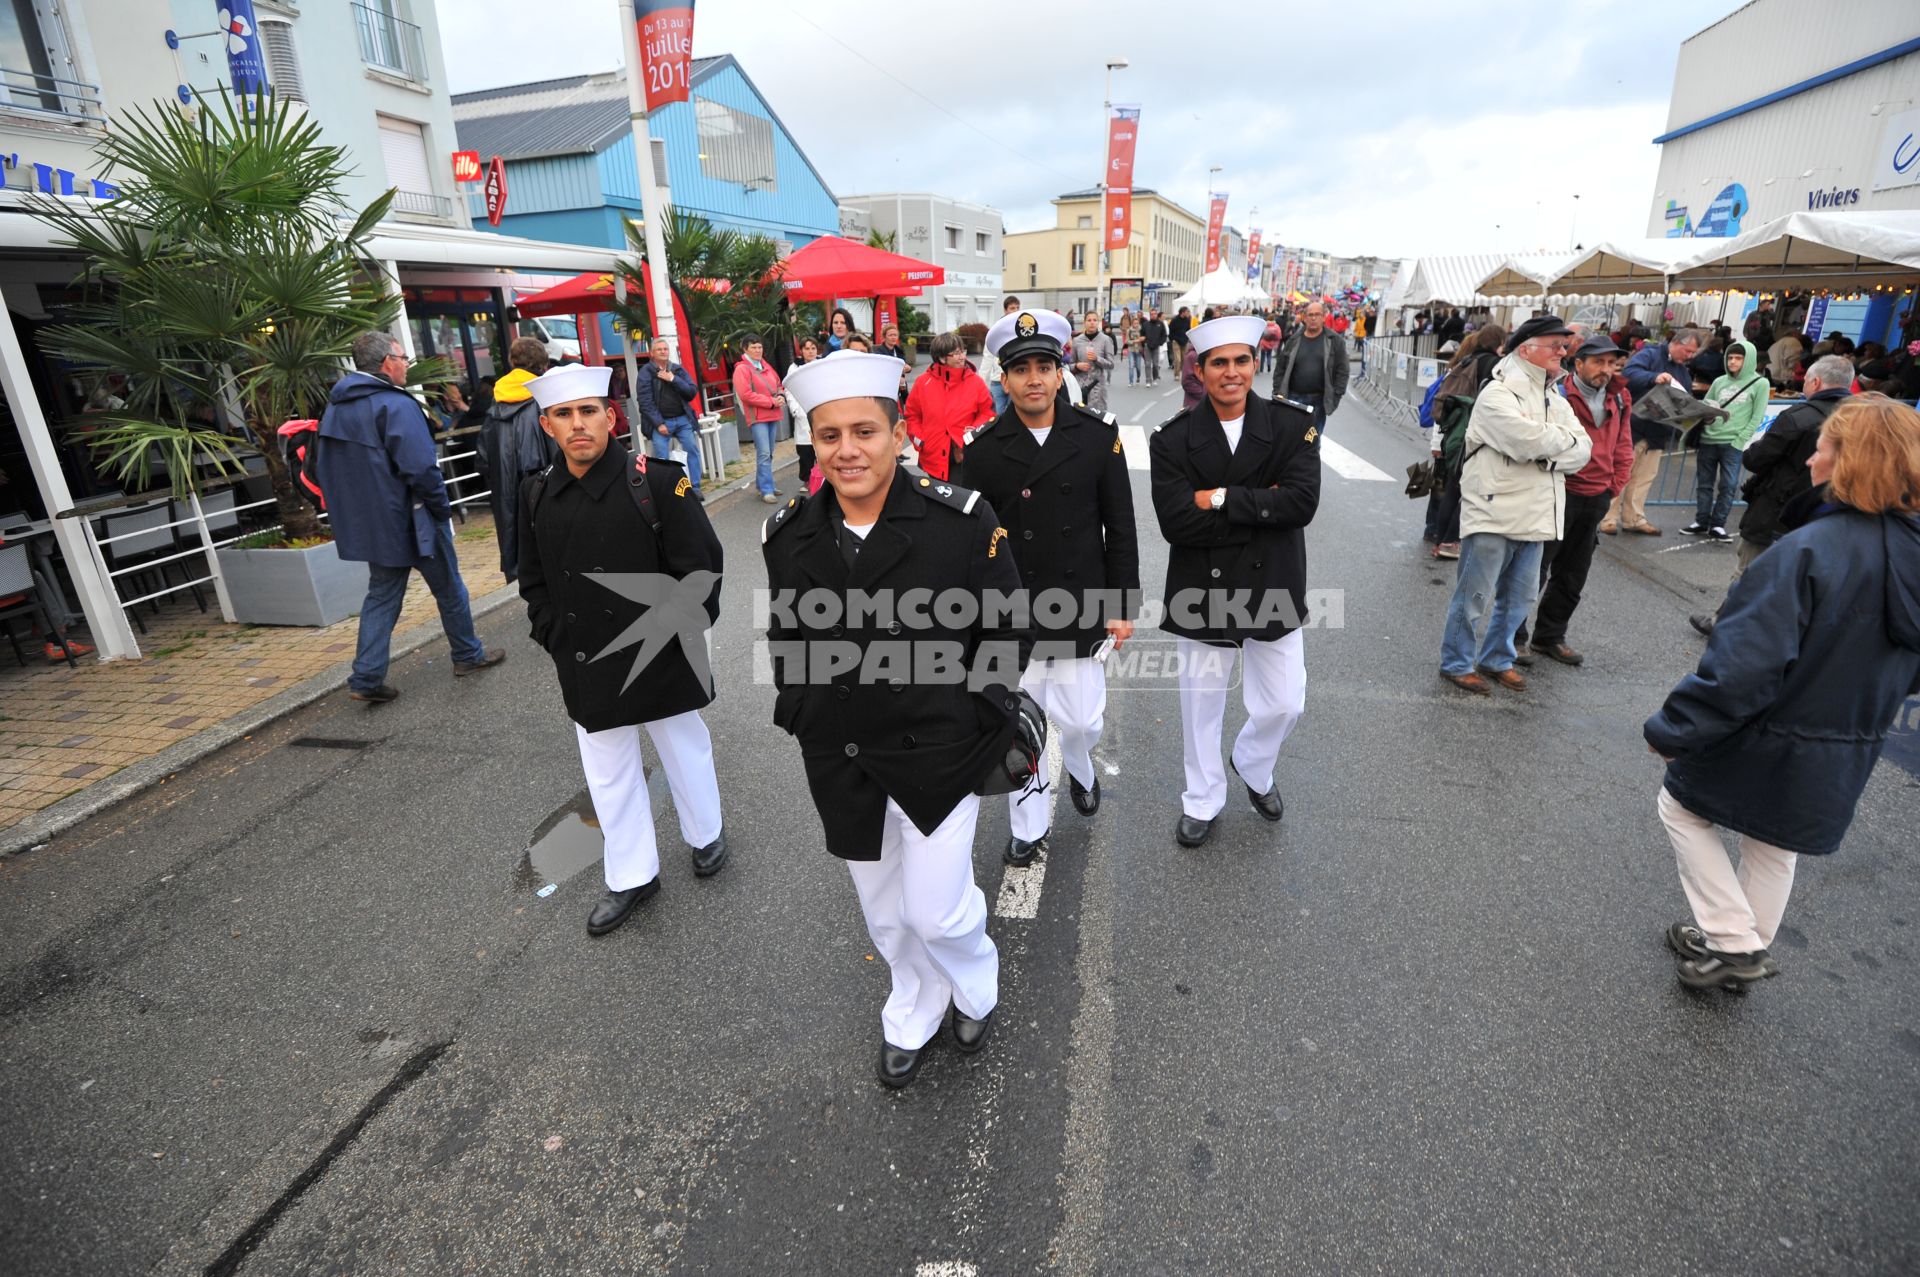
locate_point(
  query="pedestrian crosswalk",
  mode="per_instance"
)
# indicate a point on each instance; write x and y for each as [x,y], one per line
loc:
[1342,461]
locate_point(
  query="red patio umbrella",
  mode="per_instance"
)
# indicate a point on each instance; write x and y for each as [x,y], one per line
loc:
[592,294]
[832,267]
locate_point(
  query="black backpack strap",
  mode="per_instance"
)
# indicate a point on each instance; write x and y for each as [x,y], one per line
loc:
[538,490]
[643,491]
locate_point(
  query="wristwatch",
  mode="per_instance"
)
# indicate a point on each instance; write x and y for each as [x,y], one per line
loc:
[1218,501]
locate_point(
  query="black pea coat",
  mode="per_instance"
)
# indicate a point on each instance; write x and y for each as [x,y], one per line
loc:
[1256,545]
[1068,509]
[866,734]
[592,524]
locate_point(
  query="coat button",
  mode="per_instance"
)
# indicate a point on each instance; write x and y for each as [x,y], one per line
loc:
[1258,565]
[896,685]
[579,656]
[1026,494]
[1066,532]
[566,574]
[837,631]
[907,741]
[893,627]
[1066,487]
[843,692]
[853,751]
[1265,513]
[1216,572]
[1013,702]
[1068,574]
[569,618]
[1027,535]
[607,612]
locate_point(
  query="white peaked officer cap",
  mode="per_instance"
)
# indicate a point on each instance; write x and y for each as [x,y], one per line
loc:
[1232,330]
[845,374]
[1028,332]
[569,382]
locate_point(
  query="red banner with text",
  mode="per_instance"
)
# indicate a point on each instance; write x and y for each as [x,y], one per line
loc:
[1216,221]
[1123,127]
[666,49]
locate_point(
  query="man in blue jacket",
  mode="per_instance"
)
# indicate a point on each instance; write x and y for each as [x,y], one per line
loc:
[390,510]
[667,395]
[1650,366]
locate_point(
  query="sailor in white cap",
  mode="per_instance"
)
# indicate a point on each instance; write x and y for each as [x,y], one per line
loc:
[1058,477]
[905,706]
[1236,480]
[621,573]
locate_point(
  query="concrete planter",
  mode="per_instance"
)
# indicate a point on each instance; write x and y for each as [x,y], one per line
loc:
[292,587]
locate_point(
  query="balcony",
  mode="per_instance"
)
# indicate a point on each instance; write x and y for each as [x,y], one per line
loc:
[49,95]
[390,44]
[423,204]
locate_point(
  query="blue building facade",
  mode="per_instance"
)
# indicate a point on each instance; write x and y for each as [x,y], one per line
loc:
[571,170]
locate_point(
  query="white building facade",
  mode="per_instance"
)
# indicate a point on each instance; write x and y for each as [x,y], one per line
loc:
[961,238]
[1780,109]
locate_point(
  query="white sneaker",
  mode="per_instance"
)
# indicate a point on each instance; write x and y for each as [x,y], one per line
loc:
[770,498]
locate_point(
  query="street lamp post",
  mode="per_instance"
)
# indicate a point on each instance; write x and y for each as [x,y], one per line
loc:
[1100,218]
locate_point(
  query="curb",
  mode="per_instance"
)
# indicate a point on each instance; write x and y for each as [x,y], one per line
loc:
[52,821]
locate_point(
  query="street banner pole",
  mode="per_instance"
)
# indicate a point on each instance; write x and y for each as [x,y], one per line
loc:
[651,82]
[1116,205]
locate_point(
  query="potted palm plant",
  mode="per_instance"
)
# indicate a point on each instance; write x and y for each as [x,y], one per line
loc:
[225,284]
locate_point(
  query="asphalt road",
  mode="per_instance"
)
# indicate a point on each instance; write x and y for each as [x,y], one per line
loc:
[303,1009]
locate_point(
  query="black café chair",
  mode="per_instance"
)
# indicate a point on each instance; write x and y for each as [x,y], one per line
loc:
[19,596]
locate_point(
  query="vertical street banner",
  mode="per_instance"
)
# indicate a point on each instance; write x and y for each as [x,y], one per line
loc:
[1216,220]
[246,60]
[1122,129]
[1253,256]
[666,49]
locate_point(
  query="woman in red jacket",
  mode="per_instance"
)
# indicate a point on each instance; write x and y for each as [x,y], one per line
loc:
[757,388]
[949,399]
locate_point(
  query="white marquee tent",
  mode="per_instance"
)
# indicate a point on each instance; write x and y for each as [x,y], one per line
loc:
[1224,287]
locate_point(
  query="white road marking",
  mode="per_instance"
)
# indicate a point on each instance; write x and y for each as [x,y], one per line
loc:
[1020,888]
[1349,465]
[947,1268]
[1133,441]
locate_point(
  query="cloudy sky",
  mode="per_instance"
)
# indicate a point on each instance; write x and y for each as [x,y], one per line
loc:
[1378,127]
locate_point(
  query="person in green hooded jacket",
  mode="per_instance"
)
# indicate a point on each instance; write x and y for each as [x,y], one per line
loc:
[1742,394]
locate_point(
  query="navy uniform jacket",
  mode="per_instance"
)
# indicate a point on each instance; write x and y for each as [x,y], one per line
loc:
[924,744]
[593,524]
[1068,510]
[1255,545]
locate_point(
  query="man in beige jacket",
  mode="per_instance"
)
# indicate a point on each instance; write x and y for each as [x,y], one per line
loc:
[1521,443]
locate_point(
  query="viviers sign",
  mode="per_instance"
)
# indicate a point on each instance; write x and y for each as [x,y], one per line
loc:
[1831,198]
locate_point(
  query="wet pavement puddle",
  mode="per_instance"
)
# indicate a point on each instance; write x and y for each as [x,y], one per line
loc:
[569,841]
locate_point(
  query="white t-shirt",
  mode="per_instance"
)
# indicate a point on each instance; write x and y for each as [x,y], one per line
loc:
[861,529]
[1233,429]
[1040,436]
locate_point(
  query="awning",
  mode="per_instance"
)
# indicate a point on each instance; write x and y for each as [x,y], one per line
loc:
[1224,287]
[1456,279]
[446,247]
[1525,276]
[1623,266]
[1810,250]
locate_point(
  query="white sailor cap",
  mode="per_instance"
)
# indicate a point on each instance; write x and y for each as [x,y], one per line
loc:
[569,382]
[1230,330]
[1028,332]
[845,374]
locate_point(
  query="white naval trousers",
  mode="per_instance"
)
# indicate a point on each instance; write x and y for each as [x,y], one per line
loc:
[1274,690]
[618,782]
[929,921]
[1737,912]
[1074,695]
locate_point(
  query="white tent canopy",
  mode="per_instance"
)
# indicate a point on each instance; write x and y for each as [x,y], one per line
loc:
[1224,287]
[1810,250]
[1622,266]
[1528,275]
[1456,279]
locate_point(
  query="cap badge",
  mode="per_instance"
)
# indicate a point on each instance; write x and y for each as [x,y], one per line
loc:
[1026,325]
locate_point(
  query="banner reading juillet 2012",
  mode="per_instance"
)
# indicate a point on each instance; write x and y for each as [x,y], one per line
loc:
[666,49]
[1123,128]
[1216,219]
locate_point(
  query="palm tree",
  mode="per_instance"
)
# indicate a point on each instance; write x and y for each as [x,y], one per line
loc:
[699,257]
[225,282]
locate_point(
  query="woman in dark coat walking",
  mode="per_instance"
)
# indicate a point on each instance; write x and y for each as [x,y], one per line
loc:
[1775,735]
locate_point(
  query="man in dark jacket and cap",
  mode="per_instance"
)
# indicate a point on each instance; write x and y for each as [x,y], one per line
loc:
[601,531]
[1776,466]
[388,508]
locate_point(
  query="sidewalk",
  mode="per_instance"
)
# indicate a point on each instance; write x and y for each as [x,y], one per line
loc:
[75,741]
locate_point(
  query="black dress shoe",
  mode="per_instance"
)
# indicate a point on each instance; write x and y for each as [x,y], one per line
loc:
[969,1034]
[1267,804]
[1020,853]
[897,1064]
[708,860]
[1190,832]
[1085,801]
[616,905]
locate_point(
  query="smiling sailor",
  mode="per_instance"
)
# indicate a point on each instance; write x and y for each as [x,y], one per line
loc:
[906,707]
[621,573]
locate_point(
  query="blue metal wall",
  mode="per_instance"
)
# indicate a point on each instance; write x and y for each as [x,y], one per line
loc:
[800,208]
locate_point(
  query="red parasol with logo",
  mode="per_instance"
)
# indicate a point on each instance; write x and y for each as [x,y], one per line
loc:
[831,267]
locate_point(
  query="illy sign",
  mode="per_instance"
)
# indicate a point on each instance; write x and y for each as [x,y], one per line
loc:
[467,166]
